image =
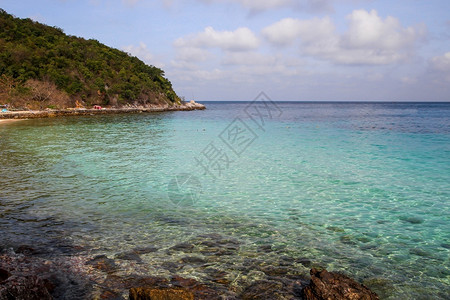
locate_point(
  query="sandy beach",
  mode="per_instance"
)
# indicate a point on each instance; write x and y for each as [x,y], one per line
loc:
[7,121]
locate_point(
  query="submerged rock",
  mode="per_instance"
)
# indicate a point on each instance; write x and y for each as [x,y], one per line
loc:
[275,270]
[329,285]
[102,262]
[177,289]
[128,256]
[143,293]
[305,262]
[24,287]
[412,219]
[200,290]
[265,248]
[144,250]
[192,260]
[184,247]
[26,250]
[263,289]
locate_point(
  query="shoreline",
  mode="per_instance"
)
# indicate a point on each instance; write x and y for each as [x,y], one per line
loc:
[6,121]
[17,115]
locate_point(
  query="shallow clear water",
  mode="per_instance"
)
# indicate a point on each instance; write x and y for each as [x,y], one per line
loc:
[356,187]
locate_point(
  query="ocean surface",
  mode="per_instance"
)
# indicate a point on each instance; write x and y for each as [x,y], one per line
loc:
[361,188]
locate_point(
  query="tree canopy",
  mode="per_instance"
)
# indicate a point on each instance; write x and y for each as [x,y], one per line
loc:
[35,56]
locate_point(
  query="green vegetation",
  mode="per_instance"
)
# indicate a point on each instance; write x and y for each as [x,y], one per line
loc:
[41,67]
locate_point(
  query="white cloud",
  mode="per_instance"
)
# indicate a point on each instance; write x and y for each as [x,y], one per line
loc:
[441,63]
[242,39]
[286,31]
[368,40]
[143,53]
[264,5]
[368,30]
[439,67]
[192,54]
[248,58]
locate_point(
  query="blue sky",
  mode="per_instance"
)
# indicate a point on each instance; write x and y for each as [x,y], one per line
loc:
[291,49]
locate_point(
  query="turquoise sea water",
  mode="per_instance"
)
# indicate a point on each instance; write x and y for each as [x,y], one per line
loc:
[362,188]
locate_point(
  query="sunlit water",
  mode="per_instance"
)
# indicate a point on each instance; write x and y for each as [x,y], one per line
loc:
[354,187]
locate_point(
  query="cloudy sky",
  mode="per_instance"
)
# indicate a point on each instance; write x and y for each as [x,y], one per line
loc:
[291,49]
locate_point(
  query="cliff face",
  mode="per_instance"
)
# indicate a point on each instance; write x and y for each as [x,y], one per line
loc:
[41,67]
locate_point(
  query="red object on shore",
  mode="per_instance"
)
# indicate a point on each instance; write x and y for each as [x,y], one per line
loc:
[97,107]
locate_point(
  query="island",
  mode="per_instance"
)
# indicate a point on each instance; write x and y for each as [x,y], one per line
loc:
[45,73]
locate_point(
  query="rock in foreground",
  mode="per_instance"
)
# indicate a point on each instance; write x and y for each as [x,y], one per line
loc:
[27,287]
[160,294]
[329,285]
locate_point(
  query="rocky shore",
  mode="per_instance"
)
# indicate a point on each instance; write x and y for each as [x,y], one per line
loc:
[86,112]
[27,273]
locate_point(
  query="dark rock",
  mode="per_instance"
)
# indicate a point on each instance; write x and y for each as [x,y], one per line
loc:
[185,247]
[66,249]
[265,248]
[178,288]
[218,276]
[275,270]
[171,266]
[329,285]
[128,256]
[218,247]
[110,295]
[4,274]
[346,239]
[368,247]
[187,283]
[208,243]
[305,262]
[216,252]
[200,291]
[141,281]
[335,229]
[143,293]
[50,285]
[446,246]
[192,260]
[24,287]
[411,219]
[263,289]
[383,286]
[363,239]
[144,250]
[102,262]
[26,250]
[213,236]
[420,252]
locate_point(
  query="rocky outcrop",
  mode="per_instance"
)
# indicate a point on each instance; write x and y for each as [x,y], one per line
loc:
[334,286]
[143,293]
[25,274]
[28,287]
[177,288]
[194,105]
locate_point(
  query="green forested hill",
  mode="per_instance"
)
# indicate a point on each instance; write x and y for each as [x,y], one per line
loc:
[42,67]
